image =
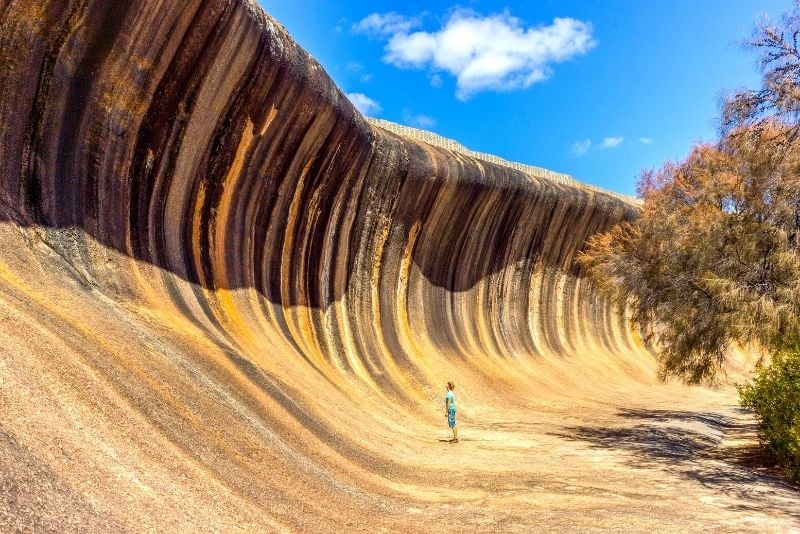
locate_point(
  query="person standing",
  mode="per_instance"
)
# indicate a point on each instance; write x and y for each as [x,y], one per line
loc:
[450,410]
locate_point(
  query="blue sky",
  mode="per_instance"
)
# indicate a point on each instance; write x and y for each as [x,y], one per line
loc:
[596,89]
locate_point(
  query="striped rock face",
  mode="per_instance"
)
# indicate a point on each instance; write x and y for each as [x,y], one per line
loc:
[228,302]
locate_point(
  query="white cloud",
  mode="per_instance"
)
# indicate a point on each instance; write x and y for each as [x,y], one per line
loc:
[364,104]
[357,68]
[354,66]
[645,140]
[612,142]
[579,148]
[418,121]
[491,53]
[379,24]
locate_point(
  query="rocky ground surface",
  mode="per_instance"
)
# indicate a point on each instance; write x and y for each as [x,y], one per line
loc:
[114,419]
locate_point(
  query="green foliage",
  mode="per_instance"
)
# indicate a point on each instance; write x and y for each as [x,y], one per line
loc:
[714,257]
[774,395]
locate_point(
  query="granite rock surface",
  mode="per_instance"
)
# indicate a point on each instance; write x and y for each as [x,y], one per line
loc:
[228,302]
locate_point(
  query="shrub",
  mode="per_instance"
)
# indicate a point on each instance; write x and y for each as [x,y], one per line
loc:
[774,396]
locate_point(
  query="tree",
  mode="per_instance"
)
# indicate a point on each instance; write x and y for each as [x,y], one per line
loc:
[779,95]
[714,258]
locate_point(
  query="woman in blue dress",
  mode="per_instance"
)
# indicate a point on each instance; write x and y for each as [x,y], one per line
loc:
[450,410]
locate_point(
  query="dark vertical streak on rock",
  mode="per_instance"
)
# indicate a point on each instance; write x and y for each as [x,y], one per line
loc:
[77,140]
[162,129]
[58,30]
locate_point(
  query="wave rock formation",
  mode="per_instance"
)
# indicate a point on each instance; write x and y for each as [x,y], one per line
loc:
[228,302]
